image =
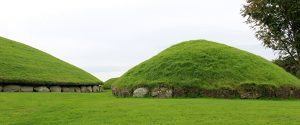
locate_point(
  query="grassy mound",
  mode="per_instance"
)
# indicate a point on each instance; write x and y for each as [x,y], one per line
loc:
[207,65]
[22,64]
[107,84]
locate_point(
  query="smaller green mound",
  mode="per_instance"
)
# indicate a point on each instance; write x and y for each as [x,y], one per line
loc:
[107,84]
[22,64]
[205,65]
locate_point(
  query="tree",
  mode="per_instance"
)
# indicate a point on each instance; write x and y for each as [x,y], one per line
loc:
[277,25]
[287,64]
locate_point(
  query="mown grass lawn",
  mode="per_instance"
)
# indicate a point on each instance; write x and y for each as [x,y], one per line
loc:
[103,108]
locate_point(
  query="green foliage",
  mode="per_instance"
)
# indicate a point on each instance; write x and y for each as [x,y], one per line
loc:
[22,64]
[289,65]
[277,24]
[204,64]
[108,83]
[104,109]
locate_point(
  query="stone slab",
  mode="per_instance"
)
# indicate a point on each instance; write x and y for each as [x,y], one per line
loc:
[96,88]
[77,89]
[89,89]
[68,89]
[83,89]
[55,88]
[140,92]
[11,88]
[41,89]
[26,88]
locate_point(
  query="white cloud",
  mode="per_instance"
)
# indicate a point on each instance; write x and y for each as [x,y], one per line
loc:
[108,37]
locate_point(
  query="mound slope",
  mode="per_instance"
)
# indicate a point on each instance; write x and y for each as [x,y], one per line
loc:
[22,64]
[107,84]
[203,65]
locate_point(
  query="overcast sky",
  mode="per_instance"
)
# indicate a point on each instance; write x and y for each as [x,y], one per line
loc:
[108,37]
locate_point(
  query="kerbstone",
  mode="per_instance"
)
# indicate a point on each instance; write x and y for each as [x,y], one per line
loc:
[55,88]
[140,92]
[41,89]
[96,88]
[249,95]
[101,88]
[77,89]
[121,92]
[89,89]
[11,88]
[162,92]
[83,89]
[68,89]
[26,88]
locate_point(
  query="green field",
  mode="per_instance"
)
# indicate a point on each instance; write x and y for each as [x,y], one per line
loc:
[103,108]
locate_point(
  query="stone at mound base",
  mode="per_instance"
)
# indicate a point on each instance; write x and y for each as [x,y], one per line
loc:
[55,88]
[220,93]
[77,89]
[41,89]
[96,88]
[140,92]
[11,88]
[249,95]
[162,92]
[101,88]
[89,89]
[0,88]
[83,89]
[26,89]
[287,92]
[121,92]
[68,89]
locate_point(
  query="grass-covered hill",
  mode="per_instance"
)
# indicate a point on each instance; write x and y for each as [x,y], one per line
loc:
[107,84]
[22,64]
[205,64]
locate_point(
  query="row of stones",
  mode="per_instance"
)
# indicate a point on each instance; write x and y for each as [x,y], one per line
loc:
[160,92]
[165,92]
[20,88]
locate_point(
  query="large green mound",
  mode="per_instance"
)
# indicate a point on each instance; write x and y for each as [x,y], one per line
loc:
[205,64]
[22,64]
[107,84]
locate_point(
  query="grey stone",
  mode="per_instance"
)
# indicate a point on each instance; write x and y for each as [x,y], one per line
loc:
[68,89]
[140,92]
[77,89]
[123,92]
[11,88]
[41,89]
[249,94]
[0,88]
[89,89]
[26,88]
[83,89]
[101,88]
[96,88]
[162,92]
[55,88]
